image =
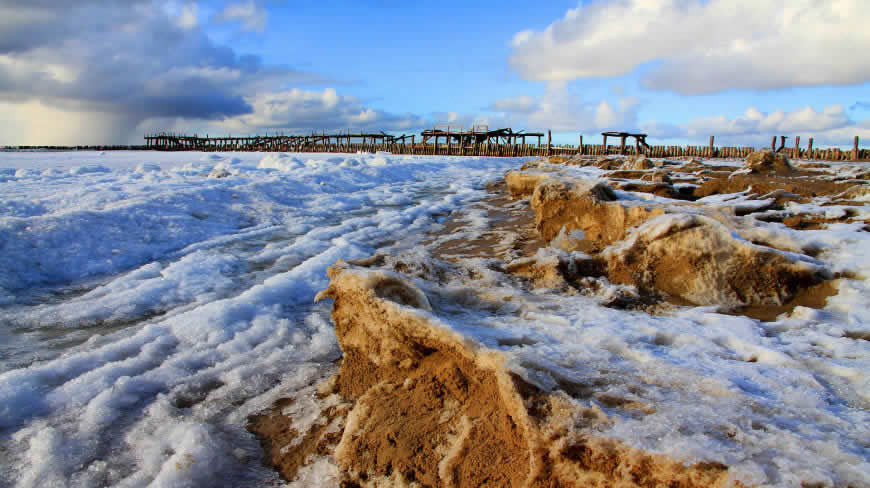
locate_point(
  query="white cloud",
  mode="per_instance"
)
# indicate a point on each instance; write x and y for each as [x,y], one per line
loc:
[304,110]
[704,46]
[251,15]
[520,104]
[754,122]
[54,72]
[560,110]
[608,117]
[662,130]
[187,18]
[105,66]
[830,126]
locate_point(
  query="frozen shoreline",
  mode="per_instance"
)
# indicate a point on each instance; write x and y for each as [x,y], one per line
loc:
[603,383]
[147,310]
[196,312]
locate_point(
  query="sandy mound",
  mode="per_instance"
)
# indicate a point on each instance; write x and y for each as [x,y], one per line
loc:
[763,184]
[659,176]
[638,163]
[438,386]
[522,183]
[433,409]
[857,193]
[660,189]
[693,165]
[609,163]
[698,259]
[589,206]
[554,268]
[685,258]
[766,161]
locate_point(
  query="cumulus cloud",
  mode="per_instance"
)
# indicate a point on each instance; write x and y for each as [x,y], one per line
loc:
[188,16]
[703,46]
[522,104]
[129,59]
[831,126]
[562,111]
[300,110]
[753,121]
[662,130]
[251,15]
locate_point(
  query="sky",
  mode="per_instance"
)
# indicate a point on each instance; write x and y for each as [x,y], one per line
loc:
[111,71]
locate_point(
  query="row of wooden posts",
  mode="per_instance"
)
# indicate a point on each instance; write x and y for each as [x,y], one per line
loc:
[344,143]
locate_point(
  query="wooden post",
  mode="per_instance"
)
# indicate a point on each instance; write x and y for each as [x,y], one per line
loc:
[810,149]
[797,147]
[781,143]
[622,145]
[773,144]
[711,146]
[580,147]
[855,150]
[604,145]
[550,141]
[448,140]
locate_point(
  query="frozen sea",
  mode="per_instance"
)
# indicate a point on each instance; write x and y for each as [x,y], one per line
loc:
[150,302]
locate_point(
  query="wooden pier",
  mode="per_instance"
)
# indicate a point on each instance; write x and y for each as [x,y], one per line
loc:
[484,143]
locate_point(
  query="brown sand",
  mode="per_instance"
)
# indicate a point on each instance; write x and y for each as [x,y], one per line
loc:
[700,261]
[511,234]
[431,409]
[815,296]
[588,206]
[768,162]
[426,408]
[800,185]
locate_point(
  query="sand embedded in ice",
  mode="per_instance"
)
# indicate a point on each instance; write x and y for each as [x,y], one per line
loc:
[782,403]
[140,367]
[147,310]
[694,386]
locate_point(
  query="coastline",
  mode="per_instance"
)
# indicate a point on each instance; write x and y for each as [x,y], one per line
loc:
[445,382]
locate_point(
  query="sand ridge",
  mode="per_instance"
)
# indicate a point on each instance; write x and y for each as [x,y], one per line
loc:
[432,409]
[425,405]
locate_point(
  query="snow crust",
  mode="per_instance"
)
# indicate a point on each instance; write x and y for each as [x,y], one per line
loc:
[780,404]
[784,403]
[146,309]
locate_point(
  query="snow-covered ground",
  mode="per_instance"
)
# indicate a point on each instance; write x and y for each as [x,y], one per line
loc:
[150,302]
[146,309]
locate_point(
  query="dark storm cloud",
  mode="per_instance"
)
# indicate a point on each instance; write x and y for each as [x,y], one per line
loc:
[129,56]
[25,25]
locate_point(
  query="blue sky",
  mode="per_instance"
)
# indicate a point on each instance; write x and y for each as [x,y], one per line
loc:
[108,71]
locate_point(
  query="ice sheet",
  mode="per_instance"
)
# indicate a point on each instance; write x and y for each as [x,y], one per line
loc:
[146,309]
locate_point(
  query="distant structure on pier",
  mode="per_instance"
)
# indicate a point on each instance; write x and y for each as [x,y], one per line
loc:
[454,140]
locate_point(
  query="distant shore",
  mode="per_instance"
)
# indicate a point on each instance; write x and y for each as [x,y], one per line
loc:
[72,148]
